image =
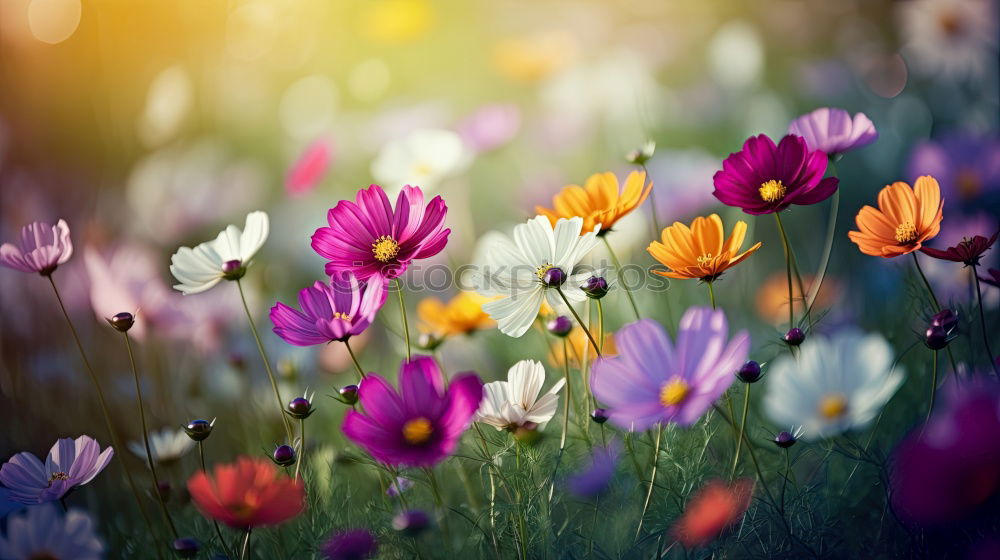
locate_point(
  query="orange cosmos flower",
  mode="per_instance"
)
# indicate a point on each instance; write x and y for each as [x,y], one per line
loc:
[599,201]
[698,251]
[904,220]
[462,315]
[248,493]
[772,297]
[712,510]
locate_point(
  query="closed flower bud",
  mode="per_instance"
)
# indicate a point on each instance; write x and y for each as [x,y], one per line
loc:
[936,337]
[560,326]
[946,319]
[599,415]
[187,547]
[411,523]
[349,394]
[233,270]
[554,277]
[199,430]
[785,440]
[595,287]
[122,322]
[299,408]
[642,155]
[749,372]
[429,342]
[794,336]
[284,456]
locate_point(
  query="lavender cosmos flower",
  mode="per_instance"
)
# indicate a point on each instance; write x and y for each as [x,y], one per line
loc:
[421,424]
[593,479]
[763,178]
[43,532]
[70,463]
[354,544]
[653,380]
[376,242]
[966,165]
[834,131]
[41,249]
[335,311]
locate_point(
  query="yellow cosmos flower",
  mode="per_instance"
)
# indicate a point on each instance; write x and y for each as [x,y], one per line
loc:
[599,201]
[396,21]
[532,58]
[699,251]
[462,315]
[578,343]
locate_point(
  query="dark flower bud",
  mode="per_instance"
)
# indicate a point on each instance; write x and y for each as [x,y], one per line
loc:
[749,372]
[233,270]
[299,408]
[936,337]
[794,336]
[599,415]
[560,326]
[199,430]
[554,277]
[411,523]
[122,322]
[349,394]
[946,319]
[785,440]
[187,547]
[429,341]
[595,287]
[284,456]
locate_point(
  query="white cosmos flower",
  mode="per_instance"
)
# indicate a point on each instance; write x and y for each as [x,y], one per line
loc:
[949,38]
[837,383]
[201,268]
[166,446]
[515,402]
[515,267]
[423,157]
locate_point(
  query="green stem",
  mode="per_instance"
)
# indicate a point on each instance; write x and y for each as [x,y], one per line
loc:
[652,478]
[445,532]
[743,427]
[934,378]
[246,545]
[402,312]
[354,358]
[218,532]
[788,270]
[711,293]
[930,290]
[652,204]
[302,446]
[579,321]
[824,262]
[982,322]
[621,277]
[565,422]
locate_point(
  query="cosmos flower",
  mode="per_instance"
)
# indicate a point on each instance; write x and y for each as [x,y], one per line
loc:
[534,57]
[595,477]
[993,279]
[968,251]
[251,492]
[764,178]
[699,252]
[949,38]
[524,270]
[166,446]
[713,509]
[653,380]
[310,168]
[904,220]
[227,256]
[600,201]
[374,241]
[835,384]
[966,164]
[70,463]
[490,126]
[420,425]
[42,532]
[511,404]
[424,157]
[330,312]
[463,314]
[833,131]
[354,544]
[771,300]
[41,249]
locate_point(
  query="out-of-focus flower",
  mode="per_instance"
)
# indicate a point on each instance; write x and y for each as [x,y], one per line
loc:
[764,178]
[595,477]
[43,532]
[578,345]
[424,157]
[330,312]
[251,492]
[355,544]
[70,463]
[951,38]
[532,58]
[310,168]
[699,252]
[904,220]
[642,155]
[166,446]
[652,380]
[600,202]
[490,127]
[41,248]
[517,269]
[463,314]
[376,242]
[411,522]
[508,405]
[420,425]
[836,384]
[833,131]
[683,182]
[187,547]
[772,297]
[227,256]
[713,509]
[968,251]
[401,485]
[993,278]
[966,164]
[393,22]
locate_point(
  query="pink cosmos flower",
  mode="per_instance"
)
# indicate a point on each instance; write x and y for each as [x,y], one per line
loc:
[377,242]
[70,463]
[834,131]
[310,168]
[420,425]
[490,126]
[335,311]
[42,248]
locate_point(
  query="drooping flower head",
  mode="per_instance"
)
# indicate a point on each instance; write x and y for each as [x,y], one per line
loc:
[833,131]
[376,242]
[227,256]
[904,220]
[251,492]
[968,251]
[836,384]
[600,202]
[463,314]
[330,312]
[420,425]
[166,446]
[713,509]
[699,252]
[654,380]
[354,544]
[70,463]
[763,178]
[43,532]
[41,248]
[511,404]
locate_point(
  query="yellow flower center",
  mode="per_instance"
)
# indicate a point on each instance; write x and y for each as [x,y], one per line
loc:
[906,232]
[423,169]
[772,191]
[417,431]
[58,476]
[540,271]
[385,248]
[833,406]
[339,315]
[674,392]
[705,259]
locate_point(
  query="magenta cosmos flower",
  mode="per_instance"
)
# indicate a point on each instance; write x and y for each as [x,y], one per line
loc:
[70,463]
[330,312]
[763,178]
[421,424]
[377,242]
[652,380]
[42,248]
[834,131]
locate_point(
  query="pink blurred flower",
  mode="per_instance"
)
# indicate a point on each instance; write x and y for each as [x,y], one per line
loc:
[490,127]
[310,168]
[41,248]
[833,131]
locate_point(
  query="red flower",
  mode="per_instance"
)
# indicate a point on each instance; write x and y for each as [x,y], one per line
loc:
[711,511]
[968,251]
[248,493]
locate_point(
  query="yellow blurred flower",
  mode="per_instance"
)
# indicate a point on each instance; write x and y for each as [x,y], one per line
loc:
[772,297]
[396,21]
[462,315]
[578,342]
[698,252]
[599,201]
[534,57]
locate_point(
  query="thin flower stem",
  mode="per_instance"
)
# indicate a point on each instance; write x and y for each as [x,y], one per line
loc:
[246,544]
[788,270]
[982,322]
[711,294]
[218,532]
[435,489]
[652,478]
[565,422]
[354,358]
[402,312]
[267,364]
[930,290]
[934,379]
[652,205]
[831,227]
[743,427]
[579,321]
[600,327]
[145,438]
[302,446]
[621,277]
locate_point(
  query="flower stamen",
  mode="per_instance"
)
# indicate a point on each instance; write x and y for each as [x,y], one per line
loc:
[417,430]
[772,191]
[705,259]
[339,315]
[833,406]
[385,248]
[906,232]
[541,270]
[674,392]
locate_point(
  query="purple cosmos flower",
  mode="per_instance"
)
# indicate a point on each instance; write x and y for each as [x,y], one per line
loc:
[490,126]
[401,485]
[763,178]
[374,241]
[421,424]
[42,248]
[593,479]
[335,311]
[44,532]
[653,380]
[70,463]
[833,131]
[966,165]
[354,544]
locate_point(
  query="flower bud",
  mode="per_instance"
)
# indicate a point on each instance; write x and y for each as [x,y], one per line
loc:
[299,408]
[794,336]
[554,277]
[429,341]
[946,319]
[122,322]
[411,523]
[642,155]
[349,394]
[599,415]
[559,326]
[936,337]
[233,270]
[749,372]
[187,547]
[785,440]
[199,430]
[284,456]
[596,287]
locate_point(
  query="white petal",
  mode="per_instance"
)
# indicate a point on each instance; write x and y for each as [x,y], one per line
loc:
[254,235]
